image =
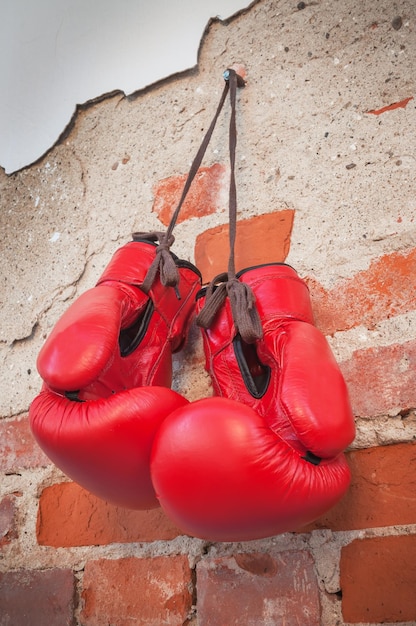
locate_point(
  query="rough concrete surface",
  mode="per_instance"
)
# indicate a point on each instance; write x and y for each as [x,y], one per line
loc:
[307,140]
[317,134]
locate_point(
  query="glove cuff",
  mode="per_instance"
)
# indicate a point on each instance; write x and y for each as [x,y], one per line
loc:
[173,307]
[130,264]
[279,292]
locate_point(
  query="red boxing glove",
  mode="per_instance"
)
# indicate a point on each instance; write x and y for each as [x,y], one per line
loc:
[289,376]
[106,366]
[266,457]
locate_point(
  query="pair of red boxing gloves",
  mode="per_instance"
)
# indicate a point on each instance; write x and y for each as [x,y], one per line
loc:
[263,456]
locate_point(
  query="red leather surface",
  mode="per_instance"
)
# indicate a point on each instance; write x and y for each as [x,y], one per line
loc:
[221,474]
[103,441]
[248,465]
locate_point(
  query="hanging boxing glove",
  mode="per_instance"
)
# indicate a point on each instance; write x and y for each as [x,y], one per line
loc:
[106,358]
[266,456]
[289,375]
[106,367]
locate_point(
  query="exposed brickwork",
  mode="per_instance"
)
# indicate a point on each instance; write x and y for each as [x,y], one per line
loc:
[382,491]
[144,592]
[387,288]
[70,516]
[261,589]
[204,197]
[382,381]
[378,580]
[8,522]
[338,151]
[37,598]
[261,239]
[18,448]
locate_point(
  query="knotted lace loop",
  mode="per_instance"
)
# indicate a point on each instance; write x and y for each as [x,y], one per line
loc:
[242,301]
[164,261]
[215,294]
[243,307]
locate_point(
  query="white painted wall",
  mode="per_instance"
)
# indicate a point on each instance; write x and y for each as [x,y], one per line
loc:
[55,54]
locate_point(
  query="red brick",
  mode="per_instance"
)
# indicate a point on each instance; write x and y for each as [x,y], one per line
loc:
[382,381]
[204,197]
[8,522]
[144,592]
[257,588]
[261,239]
[37,597]
[382,491]
[385,289]
[70,516]
[378,580]
[18,448]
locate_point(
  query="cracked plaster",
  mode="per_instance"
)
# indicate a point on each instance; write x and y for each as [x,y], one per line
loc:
[304,118]
[56,54]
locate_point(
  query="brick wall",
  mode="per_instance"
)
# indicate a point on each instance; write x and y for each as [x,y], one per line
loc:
[67,557]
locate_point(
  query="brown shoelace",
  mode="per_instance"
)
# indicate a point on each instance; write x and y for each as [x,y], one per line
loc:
[241,296]
[164,263]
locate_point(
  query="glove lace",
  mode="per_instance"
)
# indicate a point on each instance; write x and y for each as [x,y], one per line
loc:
[242,299]
[164,262]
